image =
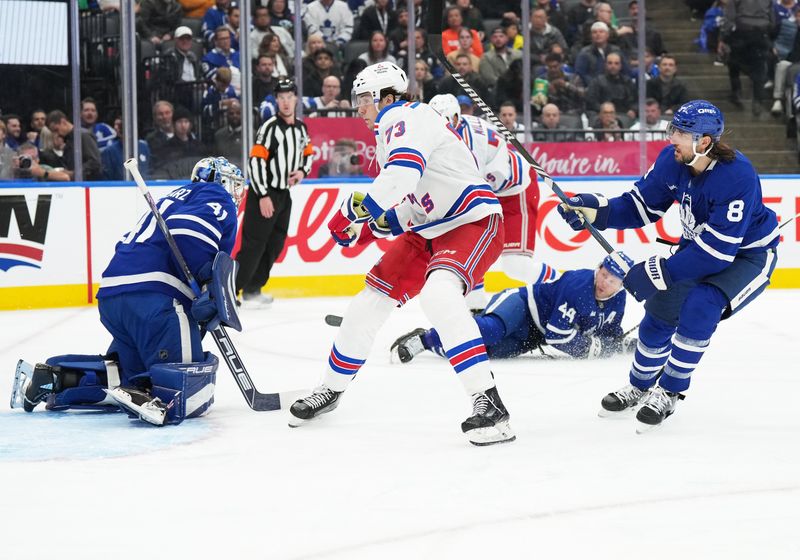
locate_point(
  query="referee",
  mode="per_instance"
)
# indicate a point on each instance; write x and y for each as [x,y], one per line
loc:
[280,158]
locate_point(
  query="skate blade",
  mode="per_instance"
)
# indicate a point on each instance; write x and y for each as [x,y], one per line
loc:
[642,428]
[22,378]
[619,414]
[499,433]
[295,422]
[122,399]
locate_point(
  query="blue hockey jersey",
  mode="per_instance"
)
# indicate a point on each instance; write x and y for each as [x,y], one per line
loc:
[721,211]
[202,219]
[567,313]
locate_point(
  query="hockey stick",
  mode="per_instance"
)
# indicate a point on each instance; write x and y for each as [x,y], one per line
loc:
[788,220]
[257,401]
[435,21]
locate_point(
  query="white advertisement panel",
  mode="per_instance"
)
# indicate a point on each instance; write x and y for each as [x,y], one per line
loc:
[310,251]
[42,236]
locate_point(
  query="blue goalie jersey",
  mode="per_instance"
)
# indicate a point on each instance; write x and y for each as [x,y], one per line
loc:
[721,209]
[202,219]
[567,314]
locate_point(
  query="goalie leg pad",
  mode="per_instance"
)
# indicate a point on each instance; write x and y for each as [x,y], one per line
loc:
[189,387]
[80,381]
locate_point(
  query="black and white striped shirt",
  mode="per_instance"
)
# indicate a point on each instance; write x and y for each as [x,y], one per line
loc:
[280,148]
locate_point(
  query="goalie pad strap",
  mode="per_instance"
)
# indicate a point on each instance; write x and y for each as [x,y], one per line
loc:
[112,373]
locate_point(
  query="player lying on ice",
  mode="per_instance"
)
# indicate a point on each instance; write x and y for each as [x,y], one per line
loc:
[578,315]
[155,368]
[724,260]
[430,194]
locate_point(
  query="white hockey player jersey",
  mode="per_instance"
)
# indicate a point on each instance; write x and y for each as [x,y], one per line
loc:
[427,171]
[506,171]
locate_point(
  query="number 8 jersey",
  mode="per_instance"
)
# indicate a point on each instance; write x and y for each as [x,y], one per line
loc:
[429,170]
[721,210]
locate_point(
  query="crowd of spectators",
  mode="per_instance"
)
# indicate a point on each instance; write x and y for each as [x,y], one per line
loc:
[584,63]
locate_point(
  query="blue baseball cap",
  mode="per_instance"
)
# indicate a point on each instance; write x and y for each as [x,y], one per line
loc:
[464,100]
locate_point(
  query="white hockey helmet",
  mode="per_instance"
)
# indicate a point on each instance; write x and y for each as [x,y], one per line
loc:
[220,170]
[447,105]
[373,79]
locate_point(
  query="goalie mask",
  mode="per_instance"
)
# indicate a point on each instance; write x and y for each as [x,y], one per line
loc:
[220,170]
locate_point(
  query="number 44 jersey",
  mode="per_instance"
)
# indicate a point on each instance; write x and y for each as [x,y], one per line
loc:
[202,219]
[721,211]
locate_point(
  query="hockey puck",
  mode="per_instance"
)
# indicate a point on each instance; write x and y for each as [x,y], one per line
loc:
[333,320]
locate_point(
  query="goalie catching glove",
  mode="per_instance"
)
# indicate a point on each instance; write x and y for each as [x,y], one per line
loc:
[592,208]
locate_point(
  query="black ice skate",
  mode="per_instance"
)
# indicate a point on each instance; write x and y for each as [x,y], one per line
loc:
[489,421]
[622,400]
[322,400]
[408,346]
[657,404]
[32,385]
[140,404]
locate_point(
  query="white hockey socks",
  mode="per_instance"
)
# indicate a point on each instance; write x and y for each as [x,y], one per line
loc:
[367,311]
[443,302]
[526,270]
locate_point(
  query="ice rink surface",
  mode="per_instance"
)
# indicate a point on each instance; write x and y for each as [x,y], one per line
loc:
[389,474]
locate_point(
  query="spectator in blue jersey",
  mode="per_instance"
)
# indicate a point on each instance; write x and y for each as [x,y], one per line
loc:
[215,17]
[724,260]
[113,156]
[218,97]
[578,314]
[155,367]
[222,55]
[102,132]
[281,14]
[234,15]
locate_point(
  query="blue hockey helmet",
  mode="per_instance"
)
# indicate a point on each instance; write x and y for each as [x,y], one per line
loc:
[611,265]
[220,170]
[700,118]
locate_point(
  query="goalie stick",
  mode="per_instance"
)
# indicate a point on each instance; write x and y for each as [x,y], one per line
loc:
[435,22]
[257,401]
